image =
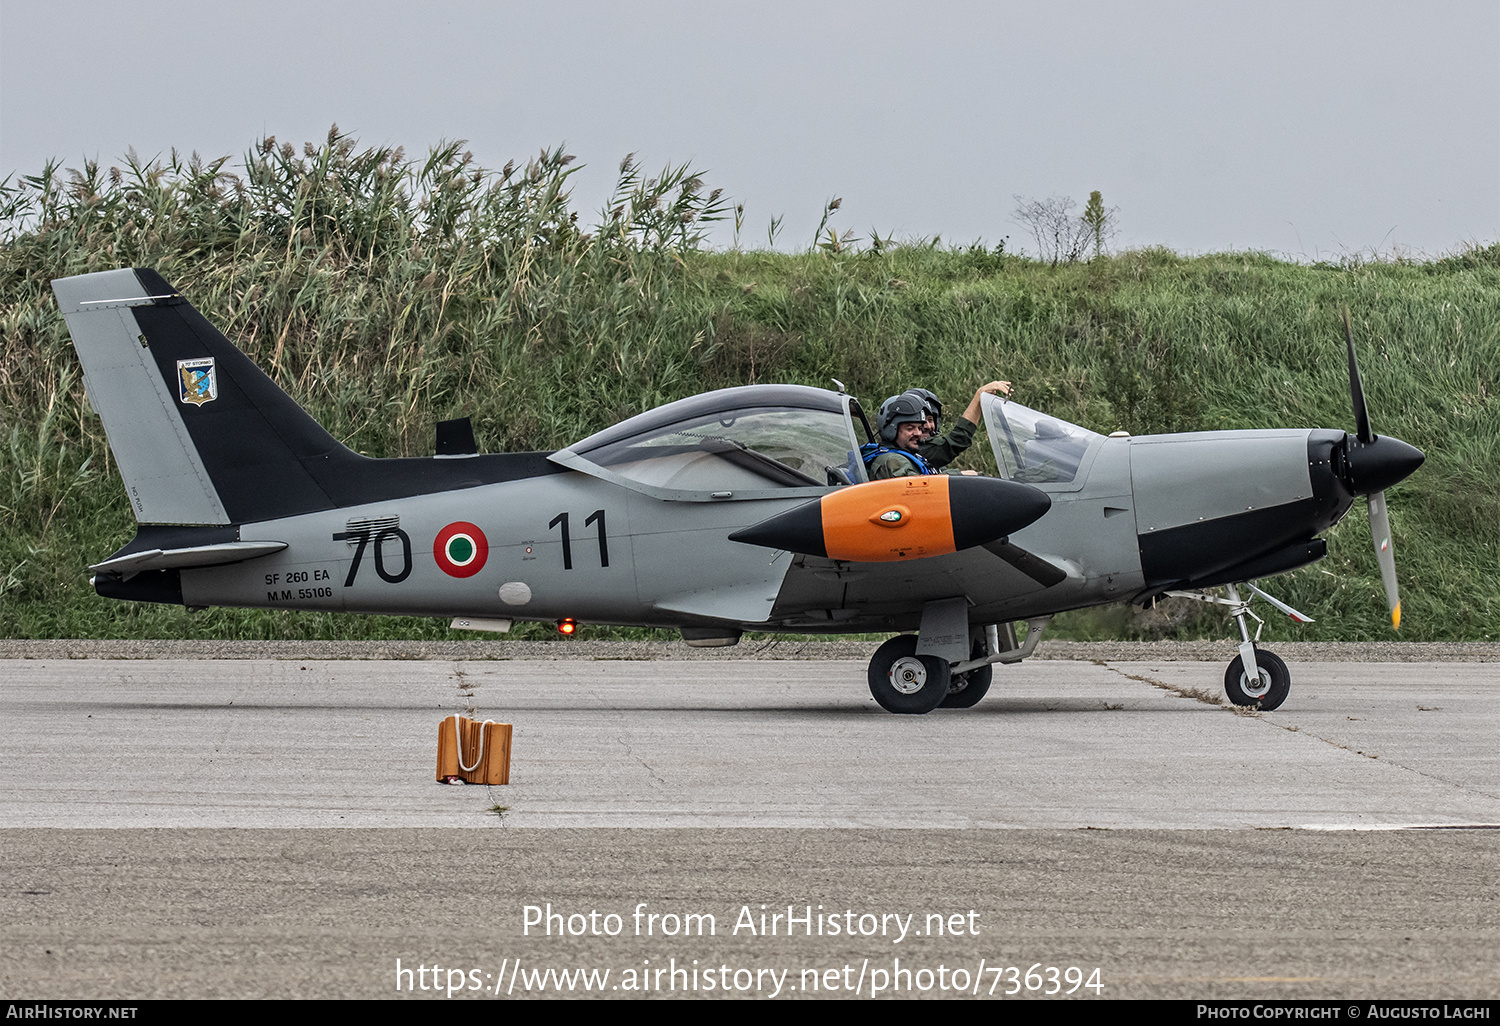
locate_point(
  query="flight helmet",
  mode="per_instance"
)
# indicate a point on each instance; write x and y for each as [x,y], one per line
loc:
[897,410]
[933,404]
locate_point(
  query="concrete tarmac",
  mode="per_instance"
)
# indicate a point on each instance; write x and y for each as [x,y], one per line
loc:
[1342,846]
[277,743]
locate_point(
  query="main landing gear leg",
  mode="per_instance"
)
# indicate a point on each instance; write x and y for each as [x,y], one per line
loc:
[900,679]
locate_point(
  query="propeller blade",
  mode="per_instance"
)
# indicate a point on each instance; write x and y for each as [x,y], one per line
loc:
[1380,530]
[1381,462]
[1356,388]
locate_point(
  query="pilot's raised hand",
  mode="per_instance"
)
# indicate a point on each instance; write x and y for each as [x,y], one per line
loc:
[997,387]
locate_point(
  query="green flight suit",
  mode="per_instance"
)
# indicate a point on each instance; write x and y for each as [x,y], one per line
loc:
[944,449]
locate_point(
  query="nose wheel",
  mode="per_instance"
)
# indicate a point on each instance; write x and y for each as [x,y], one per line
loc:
[904,682]
[1267,691]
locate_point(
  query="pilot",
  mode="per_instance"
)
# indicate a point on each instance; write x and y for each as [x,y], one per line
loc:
[902,425]
[942,450]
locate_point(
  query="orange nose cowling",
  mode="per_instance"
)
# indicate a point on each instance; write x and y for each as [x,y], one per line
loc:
[903,518]
[853,527]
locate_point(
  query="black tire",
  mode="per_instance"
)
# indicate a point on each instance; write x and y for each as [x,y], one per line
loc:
[966,689]
[904,682]
[1274,678]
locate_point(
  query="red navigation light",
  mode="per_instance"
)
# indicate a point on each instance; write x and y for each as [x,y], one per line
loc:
[567,625]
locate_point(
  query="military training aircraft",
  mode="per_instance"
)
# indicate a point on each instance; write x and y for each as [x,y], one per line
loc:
[742,509]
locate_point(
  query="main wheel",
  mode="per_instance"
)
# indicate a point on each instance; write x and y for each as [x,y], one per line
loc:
[1265,694]
[904,682]
[967,688]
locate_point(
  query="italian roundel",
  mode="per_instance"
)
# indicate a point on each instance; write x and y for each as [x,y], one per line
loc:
[461,549]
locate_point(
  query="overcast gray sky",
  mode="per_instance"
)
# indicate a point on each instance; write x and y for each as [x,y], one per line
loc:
[1307,129]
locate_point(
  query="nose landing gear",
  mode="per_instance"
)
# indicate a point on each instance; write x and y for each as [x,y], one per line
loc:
[1256,677]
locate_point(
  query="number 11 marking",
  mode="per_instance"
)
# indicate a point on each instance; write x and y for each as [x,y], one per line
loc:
[598,515]
[567,542]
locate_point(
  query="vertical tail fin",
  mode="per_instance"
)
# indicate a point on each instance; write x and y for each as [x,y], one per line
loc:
[203,437]
[201,434]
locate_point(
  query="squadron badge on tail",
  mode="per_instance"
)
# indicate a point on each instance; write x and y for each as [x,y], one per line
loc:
[197,383]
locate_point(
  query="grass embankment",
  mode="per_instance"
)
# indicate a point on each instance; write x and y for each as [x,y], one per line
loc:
[385,295]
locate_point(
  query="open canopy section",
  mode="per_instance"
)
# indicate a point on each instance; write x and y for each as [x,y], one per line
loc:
[744,441]
[1032,447]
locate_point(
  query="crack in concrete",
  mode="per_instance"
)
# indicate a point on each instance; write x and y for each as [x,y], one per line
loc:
[1196,694]
[630,753]
[1458,785]
[1214,699]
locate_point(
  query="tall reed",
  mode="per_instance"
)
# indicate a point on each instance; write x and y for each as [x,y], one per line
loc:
[387,292]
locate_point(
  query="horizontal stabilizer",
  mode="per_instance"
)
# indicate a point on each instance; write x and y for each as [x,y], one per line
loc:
[192,556]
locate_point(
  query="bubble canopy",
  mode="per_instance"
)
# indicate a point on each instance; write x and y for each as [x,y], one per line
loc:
[743,442]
